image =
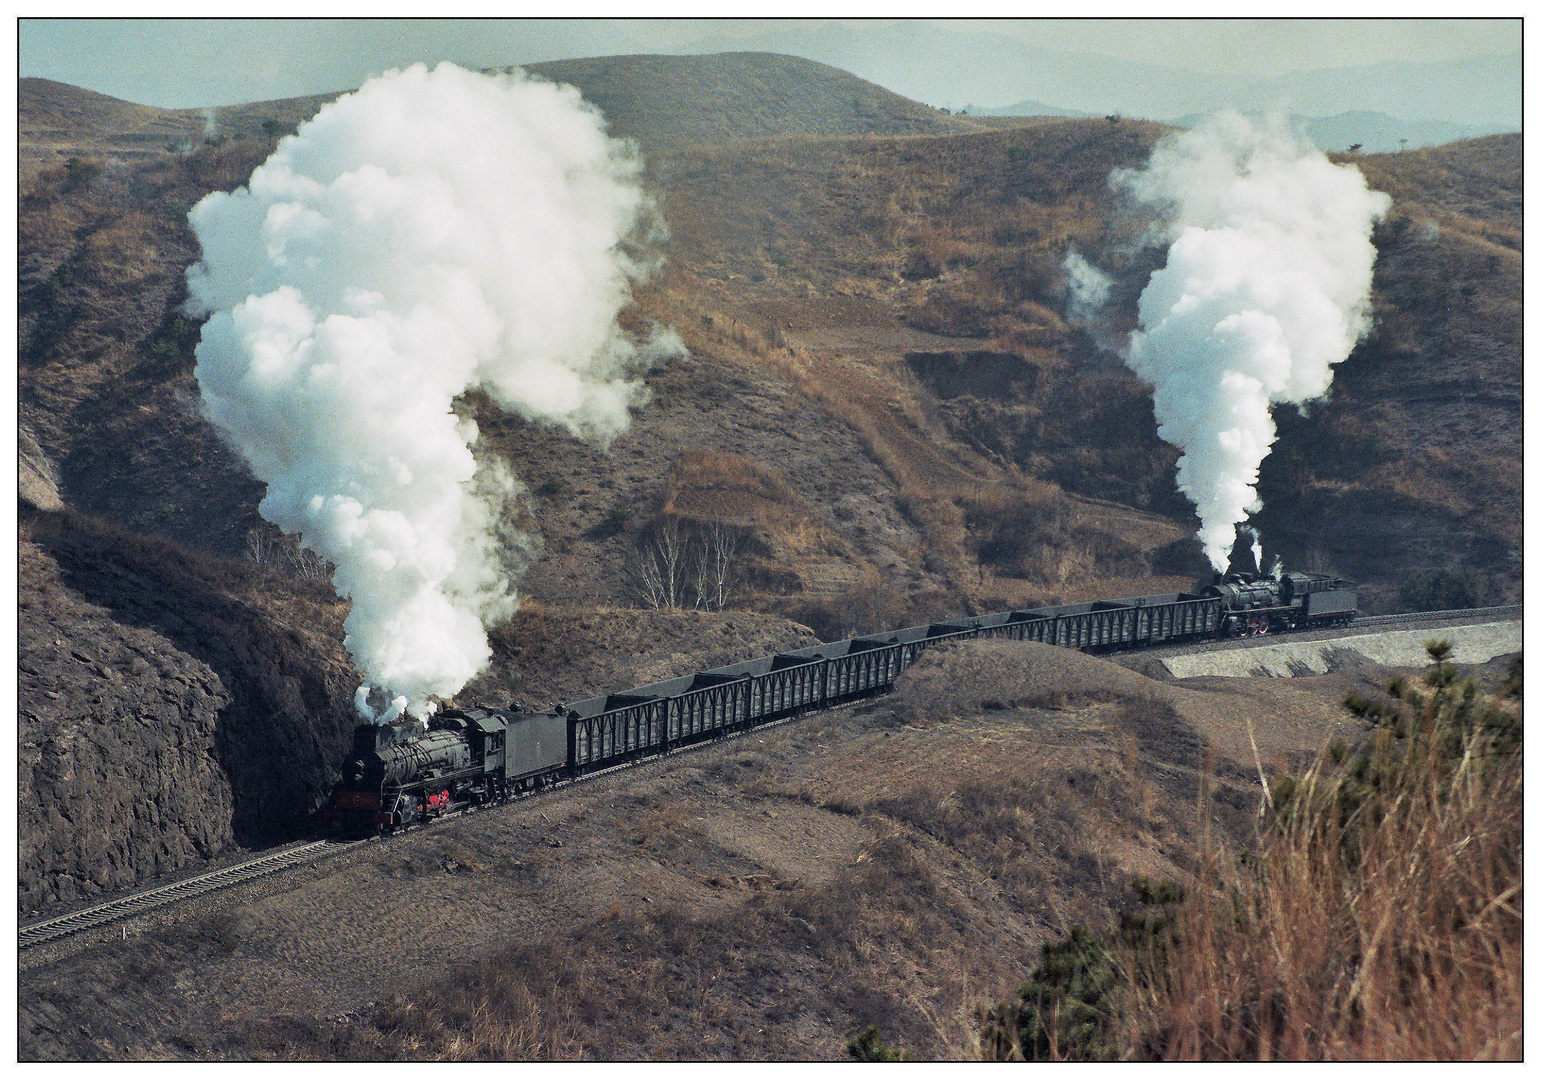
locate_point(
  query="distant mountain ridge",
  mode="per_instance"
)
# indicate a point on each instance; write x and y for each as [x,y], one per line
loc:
[1377,133]
[1369,132]
[1481,92]
[941,67]
[1021,108]
[946,68]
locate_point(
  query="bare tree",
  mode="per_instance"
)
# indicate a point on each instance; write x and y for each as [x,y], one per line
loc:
[700,562]
[307,565]
[657,567]
[645,577]
[272,552]
[262,549]
[719,548]
[671,567]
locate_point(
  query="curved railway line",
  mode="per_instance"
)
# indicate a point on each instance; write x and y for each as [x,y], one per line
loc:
[100,914]
[1369,623]
[97,915]
[123,907]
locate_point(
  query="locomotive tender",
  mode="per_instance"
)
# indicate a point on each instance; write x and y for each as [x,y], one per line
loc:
[399,773]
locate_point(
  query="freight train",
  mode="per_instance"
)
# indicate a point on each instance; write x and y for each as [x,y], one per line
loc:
[402,773]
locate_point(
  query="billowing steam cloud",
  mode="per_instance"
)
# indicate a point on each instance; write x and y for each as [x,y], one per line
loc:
[1266,286]
[434,233]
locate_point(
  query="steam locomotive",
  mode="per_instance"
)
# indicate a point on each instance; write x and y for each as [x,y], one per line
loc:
[401,773]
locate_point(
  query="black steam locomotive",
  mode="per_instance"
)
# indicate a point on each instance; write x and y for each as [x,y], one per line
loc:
[402,773]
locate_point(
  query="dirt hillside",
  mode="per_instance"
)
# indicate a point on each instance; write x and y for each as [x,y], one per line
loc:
[898,863]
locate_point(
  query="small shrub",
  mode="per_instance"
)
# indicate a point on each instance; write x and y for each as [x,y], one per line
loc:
[869,1046]
[868,608]
[613,523]
[78,172]
[1064,1012]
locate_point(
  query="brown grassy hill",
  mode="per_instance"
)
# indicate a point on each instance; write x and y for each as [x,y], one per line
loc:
[907,289]
[1415,461]
[726,97]
[105,358]
[846,249]
[59,122]
[899,863]
[939,260]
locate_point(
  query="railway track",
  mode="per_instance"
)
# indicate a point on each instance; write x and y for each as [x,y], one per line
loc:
[40,933]
[1415,620]
[75,922]
[1418,617]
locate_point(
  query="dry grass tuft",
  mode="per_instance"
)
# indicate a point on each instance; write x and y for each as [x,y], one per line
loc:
[1382,918]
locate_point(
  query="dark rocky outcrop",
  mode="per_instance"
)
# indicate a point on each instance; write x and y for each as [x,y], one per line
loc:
[164,714]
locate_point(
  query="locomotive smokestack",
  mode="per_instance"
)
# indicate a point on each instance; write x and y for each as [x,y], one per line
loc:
[434,233]
[1266,286]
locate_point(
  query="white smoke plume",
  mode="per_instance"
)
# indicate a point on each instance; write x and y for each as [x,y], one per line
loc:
[435,232]
[1266,287]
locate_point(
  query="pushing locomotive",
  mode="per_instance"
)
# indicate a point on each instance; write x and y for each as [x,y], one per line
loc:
[402,773]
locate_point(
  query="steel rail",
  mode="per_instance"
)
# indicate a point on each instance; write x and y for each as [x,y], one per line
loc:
[88,918]
[1439,616]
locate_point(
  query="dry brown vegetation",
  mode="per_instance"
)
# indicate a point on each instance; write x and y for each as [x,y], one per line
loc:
[1383,918]
[956,496]
[1380,916]
[693,987]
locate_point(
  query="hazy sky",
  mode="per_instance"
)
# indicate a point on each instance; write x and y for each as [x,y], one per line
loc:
[187,63]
